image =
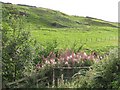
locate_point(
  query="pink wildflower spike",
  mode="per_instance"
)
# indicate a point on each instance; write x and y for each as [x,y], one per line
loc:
[44,59]
[38,66]
[73,55]
[78,56]
[90,57]
[84,55]
[68,52]
[66,63]
[47,62]
[50,54]
[52,61]
[68,57]
[61,59]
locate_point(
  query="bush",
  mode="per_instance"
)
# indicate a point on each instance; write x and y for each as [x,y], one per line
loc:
[16,49]
[104,74]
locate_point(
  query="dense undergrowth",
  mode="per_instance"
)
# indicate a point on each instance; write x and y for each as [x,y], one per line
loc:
[104,74]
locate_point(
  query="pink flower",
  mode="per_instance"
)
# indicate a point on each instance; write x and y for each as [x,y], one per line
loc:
[78,56]
[52,61]
[61,59]
[47,62]
[90,57]
[70,56]
[38,66]
[66,63]
[73,55]
[84,55]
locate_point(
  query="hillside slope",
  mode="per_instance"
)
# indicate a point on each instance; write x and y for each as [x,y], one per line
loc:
[46,18]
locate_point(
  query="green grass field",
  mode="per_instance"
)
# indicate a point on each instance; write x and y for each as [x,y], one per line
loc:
[97,38]
[47,25]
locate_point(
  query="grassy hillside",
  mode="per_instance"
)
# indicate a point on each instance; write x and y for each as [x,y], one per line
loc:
[47,25]
[43,17]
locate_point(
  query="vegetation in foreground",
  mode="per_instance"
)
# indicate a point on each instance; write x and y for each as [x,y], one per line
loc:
[104,74]
[26,59]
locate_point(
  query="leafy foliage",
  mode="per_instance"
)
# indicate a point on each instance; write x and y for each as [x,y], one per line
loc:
[104,74]
[16,49]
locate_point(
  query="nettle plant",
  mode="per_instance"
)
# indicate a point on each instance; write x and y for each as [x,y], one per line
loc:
[68,59]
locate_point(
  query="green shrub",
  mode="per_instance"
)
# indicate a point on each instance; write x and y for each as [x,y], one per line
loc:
[104,74]
[16,49]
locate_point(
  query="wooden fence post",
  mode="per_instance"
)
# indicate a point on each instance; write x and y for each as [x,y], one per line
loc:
[53,82]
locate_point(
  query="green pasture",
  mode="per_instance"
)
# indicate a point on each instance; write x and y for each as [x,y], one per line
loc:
[47,25]
[92,38]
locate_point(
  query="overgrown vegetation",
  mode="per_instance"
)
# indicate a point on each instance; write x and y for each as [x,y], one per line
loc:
[37,41]
[104,74]
[16,49]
